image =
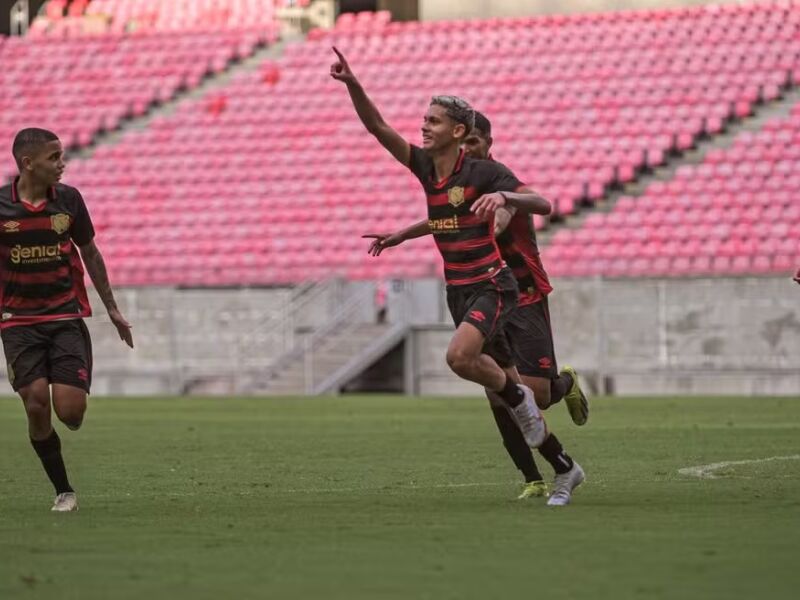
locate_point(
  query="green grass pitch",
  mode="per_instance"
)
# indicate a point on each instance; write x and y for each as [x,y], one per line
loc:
[396,497]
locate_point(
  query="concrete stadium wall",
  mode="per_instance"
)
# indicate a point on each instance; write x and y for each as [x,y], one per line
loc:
[732,336]
[186,337]
[699,336]
[432,10]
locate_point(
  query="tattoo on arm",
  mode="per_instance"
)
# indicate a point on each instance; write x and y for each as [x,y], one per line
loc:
[96,267]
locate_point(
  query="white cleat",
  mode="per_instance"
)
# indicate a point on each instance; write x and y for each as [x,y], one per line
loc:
[565,484]
[530,419]
[66,502]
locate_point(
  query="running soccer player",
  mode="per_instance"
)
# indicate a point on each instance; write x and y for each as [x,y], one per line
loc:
[530,333]
[42,225]
[460,191]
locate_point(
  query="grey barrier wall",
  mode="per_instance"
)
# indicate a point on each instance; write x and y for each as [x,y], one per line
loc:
[727,336]
[647,336]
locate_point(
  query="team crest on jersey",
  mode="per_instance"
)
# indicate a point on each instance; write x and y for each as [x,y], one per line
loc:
[11,226]
[455,196]
[60,223]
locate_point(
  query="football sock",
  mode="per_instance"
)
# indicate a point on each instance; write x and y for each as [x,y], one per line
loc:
[554,454]
[49,451]
[515,444]
[511,393]
[559,386]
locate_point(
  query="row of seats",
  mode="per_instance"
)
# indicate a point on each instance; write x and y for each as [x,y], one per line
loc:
[737,212]
[82,86]
[125,16]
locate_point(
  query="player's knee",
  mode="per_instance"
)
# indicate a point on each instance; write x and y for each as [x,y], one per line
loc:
[38,412]
[72,420]
[72,416]
[460,362]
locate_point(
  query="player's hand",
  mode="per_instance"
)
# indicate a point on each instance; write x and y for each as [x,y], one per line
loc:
[340,70]
[502,217]
[381,241]
[123,327]
[485,206]
[797,276]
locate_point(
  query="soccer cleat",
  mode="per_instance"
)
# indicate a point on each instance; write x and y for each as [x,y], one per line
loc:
[533,489]
[529,419]
[66,502]
[565,484]
[575,399]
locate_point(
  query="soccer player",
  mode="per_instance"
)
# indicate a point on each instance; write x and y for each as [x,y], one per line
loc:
[42,225]
[462,194]
[531,337]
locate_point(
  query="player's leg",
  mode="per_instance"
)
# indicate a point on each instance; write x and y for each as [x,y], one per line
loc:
[479,313]
[467,360]
[532,332]
[568,473]
[69,403]
[70,358]
[532,352]
[44,438]
[516,446]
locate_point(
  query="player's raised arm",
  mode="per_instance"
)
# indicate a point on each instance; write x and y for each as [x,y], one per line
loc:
[381,241]
[96,267]
[368,113]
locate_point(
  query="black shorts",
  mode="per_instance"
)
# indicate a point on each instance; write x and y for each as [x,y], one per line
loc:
[531,336]
[487,305]
[59,351]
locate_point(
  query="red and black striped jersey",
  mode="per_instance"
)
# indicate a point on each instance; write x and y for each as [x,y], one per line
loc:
[466,242]
[42,272]
[519,249]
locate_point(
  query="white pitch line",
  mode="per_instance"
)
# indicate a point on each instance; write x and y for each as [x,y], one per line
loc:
[707,471]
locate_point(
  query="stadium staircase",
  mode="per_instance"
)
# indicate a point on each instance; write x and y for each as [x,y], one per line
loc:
[326,358]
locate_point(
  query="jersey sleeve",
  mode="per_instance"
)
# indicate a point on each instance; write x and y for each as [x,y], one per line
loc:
[501,179]
[420,163]
[82,229]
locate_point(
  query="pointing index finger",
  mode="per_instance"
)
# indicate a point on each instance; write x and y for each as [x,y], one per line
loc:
[339,54]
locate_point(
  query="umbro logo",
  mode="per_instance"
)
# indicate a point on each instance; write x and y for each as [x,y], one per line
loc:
[477,316]
[11,226]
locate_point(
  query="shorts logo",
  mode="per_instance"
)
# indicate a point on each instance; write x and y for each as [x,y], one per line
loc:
[477,315]
[60,223]
[83,374]
[11,226]
[545,363]
[455,196]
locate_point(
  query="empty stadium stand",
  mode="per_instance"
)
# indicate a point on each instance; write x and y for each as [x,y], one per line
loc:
[270,178]
[736,213]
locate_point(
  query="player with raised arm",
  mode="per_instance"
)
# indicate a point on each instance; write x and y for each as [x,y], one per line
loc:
[43,225]
[530,334]
[461,193]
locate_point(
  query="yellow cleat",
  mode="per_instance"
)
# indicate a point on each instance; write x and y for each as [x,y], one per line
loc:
[575,399]
[533,489]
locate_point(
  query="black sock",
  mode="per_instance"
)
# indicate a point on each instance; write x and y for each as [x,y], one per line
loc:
[554,454]
[559,386]
[511,393]
[515,444]
[49,451]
